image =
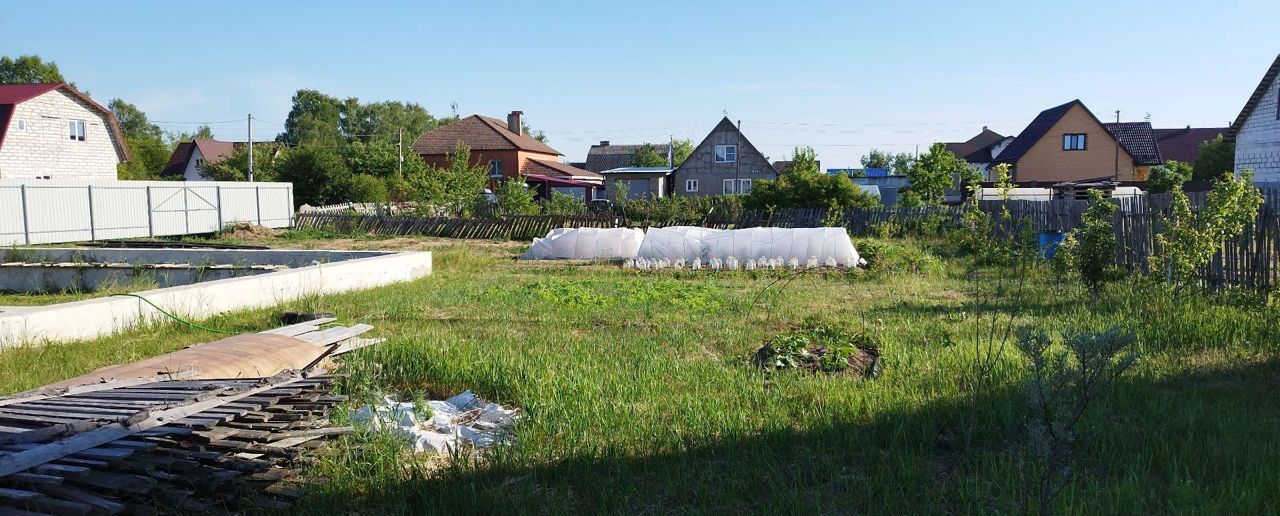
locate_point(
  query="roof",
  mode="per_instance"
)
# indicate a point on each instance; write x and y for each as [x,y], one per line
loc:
[978,148]
[1138,139]
[556,181]
[212,151]
[1256,97]
[548,167]
[638,170]
[604,156]
[1036,130]
[727,125]
[14,94]
[478,133]
[1184,144]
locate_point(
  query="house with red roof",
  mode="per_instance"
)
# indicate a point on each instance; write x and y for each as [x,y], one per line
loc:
[507,151]
[53,131]
[188,157]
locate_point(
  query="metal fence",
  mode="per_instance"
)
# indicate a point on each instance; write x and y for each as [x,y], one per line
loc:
[50,211]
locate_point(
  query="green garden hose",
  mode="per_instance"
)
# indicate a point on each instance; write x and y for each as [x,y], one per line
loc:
[176,318]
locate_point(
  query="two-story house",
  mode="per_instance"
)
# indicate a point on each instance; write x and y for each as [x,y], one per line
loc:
[52,131]
[1256,131]
[502,147]
[725,163]
[1069,143]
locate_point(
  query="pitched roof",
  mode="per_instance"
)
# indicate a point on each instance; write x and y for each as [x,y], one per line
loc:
[212,151]
[978,148]
[1036,130]
[1138,139]
[605,156]
[1256,97]
[556,181]
[14,94]
[1184,144]
[478,133]
[546,167]
[727,125]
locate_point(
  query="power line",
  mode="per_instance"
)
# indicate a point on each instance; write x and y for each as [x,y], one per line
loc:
[199,123]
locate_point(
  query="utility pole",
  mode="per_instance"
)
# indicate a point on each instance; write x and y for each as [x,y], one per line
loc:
[250,147]
[671,151]
[737,161]
[400,153]
[1116,177]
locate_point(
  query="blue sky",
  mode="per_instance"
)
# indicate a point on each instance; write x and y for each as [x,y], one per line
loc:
[843,77]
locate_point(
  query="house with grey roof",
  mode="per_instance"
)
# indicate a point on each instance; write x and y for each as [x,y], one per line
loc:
[608,156]
[981,150]
[724,163]
[1256,131]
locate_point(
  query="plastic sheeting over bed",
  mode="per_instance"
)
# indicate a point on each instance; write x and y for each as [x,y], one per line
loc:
[586,244]
[689,243]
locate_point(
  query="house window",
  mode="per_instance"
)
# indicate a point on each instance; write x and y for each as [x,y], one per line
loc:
[75,128]
[691,185]
[22,124]
[736,186]
[744,187]
[495,168]
[726,153]
[199,163]
[1073,142]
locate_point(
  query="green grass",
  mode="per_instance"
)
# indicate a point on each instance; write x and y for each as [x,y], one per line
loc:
[73,294]
[639,397]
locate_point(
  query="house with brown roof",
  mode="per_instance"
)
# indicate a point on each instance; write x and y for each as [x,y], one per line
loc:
[189,156]
[1069,143]
[1184,144]
[981,150]
[1256,131]
[53,131]
[503,148]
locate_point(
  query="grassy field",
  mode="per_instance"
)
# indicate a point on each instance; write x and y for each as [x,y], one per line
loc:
[639,396]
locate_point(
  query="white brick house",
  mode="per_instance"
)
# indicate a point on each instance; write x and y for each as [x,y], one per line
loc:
[1257,130]
[52,131]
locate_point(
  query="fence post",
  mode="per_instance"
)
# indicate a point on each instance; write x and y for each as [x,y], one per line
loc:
[151,227]
[257,202]
[26,227]
[218,197]
[186,211]
[93,233]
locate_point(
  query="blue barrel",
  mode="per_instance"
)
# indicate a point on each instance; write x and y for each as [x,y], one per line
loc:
[1048,243]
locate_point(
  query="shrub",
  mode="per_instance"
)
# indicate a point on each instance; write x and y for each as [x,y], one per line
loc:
[803,186]
[822,348]
[1092,252]
[515,197]
[1190,239]
[563,204]
[1166,177]
[366,188]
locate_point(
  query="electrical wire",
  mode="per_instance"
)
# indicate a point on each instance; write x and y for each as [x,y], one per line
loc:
[176,318]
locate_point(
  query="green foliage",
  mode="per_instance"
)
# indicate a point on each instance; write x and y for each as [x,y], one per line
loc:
[877,159]
[814,348]
[621,189]
[266,156]
[515,197]
[28,69]
[150,154]
[681,210]
[563,204]
[885,256]
[680,150]
[318,175]
[367,188]
[931,175]
[1166,177]
[902,164]
[648,156]
[315,118]
[398,189]
[133,121]
[1217,156]
[1190,239]
[379,158]
[454,188]
[1091,254]
[804,187]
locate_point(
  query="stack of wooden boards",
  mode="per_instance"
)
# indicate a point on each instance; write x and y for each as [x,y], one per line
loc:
[182,443]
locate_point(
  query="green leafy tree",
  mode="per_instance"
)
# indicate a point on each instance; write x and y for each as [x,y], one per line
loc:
[266,158]
[515,197]
[1190,238]
[367,188]
[931,175]
[315,118]
[149,158]
[877,159]
[1092,254]
[1165,177]
[318,175]
[380,159]
[454,188]
[648,156]
[621,189]
[902,164]
[680,150]
[381,122]
[133,121]
[563,204]
[1216,156]
[28,69]
[803,186]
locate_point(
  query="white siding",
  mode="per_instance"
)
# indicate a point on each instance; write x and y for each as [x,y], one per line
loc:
[1258,140]
[191,173]
[45,148]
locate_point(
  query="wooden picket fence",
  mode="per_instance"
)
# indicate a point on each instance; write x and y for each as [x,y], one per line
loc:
[509,228]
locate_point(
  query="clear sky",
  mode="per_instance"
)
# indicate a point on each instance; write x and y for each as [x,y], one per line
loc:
[842,77]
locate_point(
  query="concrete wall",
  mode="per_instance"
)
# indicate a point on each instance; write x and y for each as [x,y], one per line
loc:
[45,147]
[701,164]
[1258,139]
[104,316]
[1046,161]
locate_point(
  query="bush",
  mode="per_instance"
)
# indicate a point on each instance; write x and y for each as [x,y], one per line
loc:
[318,175]
[1166,177]
[366,188]
[563,204]
[822,348]
[515,198]
[897,258]
[1092,252]
[1190,239]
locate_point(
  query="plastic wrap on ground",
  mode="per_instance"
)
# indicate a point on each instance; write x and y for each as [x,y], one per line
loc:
[586,244]
[690,243]
[462,421]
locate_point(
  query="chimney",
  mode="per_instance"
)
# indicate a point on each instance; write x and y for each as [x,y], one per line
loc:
[513,121]
[604,143]
[984,128]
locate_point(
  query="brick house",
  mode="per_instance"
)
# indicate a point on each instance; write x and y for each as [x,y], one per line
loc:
[52,131]
[725,163]
[1256,131]
[502,147]
[1069,143]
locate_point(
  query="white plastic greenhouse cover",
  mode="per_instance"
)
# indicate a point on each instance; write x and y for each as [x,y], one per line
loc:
[586,244]
[686,242]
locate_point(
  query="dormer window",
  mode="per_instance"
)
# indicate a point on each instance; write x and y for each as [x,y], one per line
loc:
[1073,142]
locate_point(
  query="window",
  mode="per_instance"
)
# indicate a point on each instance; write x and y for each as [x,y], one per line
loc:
[199,163]
[75,128]
[728,187]
[22,124]
[691,185]
[736,186]
[1073,142]
[726,153]
[744,187]
[495,168]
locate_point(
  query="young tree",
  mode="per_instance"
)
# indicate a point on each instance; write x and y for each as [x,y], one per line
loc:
[453,188]
[877,159]
[563,204]
[235,167]
[318,175]
[1165,177]
[366,188]
[28,69]
[648,156]
[1191,238]
[515,197]
[1216,156]
[931,175]
[680,150]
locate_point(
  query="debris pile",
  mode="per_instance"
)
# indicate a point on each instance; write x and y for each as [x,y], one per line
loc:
[441,426]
